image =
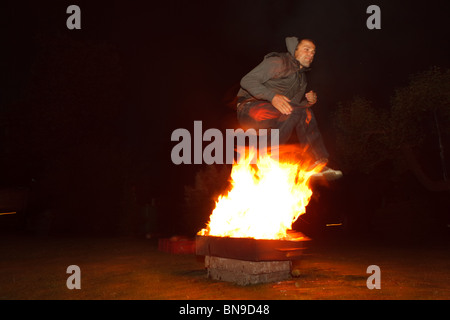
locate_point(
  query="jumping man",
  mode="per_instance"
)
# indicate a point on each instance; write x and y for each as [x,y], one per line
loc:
[273,96]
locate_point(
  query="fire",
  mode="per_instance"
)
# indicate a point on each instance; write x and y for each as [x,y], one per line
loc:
[266,198]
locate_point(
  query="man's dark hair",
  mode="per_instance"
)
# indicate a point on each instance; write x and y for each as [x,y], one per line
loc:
[304,39]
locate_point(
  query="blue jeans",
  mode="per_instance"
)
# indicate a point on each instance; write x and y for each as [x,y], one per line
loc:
[263,115]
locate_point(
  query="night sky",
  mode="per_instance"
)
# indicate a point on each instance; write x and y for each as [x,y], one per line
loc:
[180,61]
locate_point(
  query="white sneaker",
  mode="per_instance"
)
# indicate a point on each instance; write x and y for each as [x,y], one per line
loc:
[328,174]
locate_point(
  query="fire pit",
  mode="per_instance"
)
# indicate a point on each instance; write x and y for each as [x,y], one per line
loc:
[247,261]
[247,238]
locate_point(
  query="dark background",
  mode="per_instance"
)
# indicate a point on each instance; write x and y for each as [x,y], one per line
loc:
[87,115]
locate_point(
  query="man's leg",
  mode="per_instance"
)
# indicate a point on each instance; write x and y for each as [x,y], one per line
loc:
[309,135]
[263,115]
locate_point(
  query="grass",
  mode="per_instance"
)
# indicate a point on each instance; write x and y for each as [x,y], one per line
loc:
[130,268]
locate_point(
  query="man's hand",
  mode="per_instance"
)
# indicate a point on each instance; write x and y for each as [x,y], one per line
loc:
[311,97]
[281,103]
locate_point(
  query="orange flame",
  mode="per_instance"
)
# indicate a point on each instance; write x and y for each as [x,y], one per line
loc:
[264,201]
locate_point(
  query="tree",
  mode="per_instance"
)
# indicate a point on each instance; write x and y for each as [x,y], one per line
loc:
[363,131]
[390,156]
[415,108]
[210,182]
[419,113]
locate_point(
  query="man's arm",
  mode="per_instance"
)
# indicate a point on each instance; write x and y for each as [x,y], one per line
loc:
[311,97]
[254,81]
[309,101]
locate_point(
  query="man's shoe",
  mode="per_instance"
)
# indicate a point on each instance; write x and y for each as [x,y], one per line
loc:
[328,174]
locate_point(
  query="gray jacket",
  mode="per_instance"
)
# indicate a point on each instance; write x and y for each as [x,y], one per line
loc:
[278,73]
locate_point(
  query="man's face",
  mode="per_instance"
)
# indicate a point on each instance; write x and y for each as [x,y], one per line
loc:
[305,53]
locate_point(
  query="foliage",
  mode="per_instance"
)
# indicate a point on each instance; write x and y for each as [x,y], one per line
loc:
[210,182]
[362,135]
[368,135]
[413,107]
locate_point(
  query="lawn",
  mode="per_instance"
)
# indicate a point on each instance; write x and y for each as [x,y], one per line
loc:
[34,267]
